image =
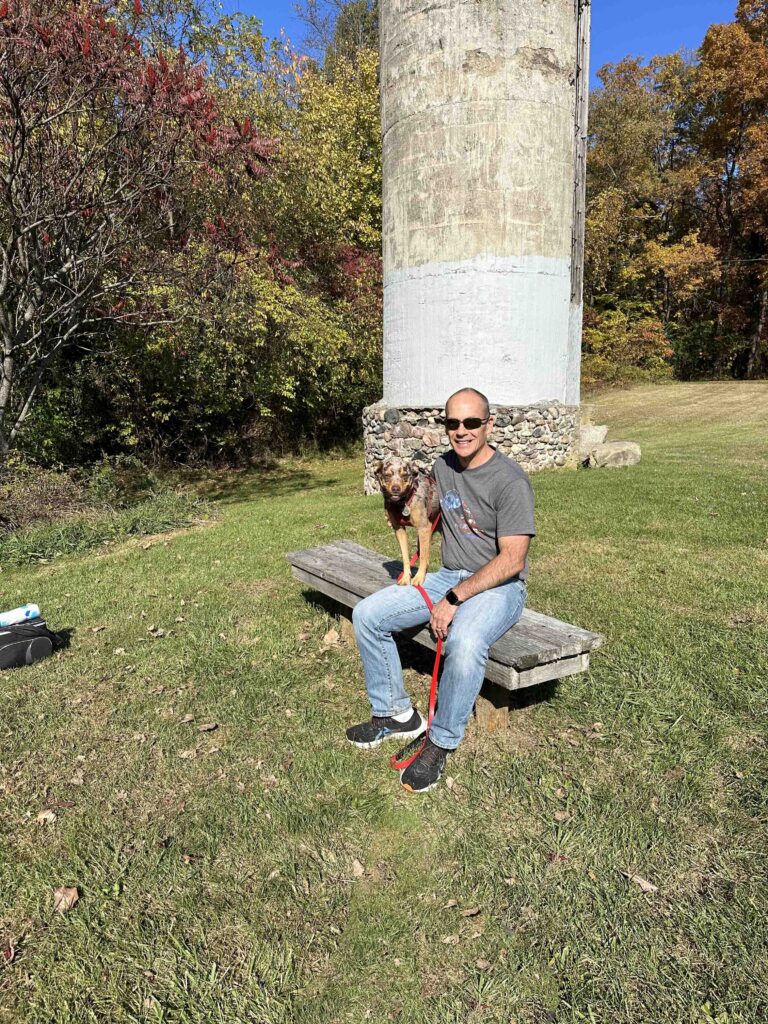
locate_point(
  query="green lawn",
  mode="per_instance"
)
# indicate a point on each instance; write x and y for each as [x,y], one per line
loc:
[216,869]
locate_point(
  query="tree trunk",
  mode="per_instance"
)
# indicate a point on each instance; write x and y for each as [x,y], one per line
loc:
[756,347]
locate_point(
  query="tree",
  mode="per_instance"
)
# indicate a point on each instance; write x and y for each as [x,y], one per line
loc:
[104,141]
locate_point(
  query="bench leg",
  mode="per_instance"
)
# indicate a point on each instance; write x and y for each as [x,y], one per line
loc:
[492,708]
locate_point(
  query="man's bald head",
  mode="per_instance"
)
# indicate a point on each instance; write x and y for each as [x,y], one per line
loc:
[486,408]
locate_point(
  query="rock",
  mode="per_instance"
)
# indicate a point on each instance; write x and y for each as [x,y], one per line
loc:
[392,416]
[614,453]
[430,439]
[588,438]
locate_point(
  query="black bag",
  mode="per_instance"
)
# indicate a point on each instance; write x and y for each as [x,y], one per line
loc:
[26,643]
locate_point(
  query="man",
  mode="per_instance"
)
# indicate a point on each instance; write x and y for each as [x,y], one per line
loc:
[487,523]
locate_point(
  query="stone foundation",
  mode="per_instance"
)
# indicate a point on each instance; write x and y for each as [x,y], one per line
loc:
[538,437]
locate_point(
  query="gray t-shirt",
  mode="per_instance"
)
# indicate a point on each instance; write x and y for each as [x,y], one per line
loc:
[480,505]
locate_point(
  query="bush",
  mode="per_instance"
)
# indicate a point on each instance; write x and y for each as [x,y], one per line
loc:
[157,514]
[30,495]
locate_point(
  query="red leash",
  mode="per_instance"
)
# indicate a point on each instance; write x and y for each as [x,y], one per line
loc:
[394,761]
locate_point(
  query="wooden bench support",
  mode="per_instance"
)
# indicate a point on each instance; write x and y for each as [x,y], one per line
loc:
[492,708]
[538,649]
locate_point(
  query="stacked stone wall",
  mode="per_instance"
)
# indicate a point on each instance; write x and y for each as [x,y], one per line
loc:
[538,437]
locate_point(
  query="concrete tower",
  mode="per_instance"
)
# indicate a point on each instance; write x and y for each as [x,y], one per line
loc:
[484,128]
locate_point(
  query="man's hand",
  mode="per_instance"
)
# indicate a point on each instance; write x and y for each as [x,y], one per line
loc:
[441,618]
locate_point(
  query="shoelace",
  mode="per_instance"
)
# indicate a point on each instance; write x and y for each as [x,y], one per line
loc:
[431,755]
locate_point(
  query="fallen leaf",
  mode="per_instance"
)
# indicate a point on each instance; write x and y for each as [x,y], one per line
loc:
[561,793]
[470,912]
[331,638]
[450,940]
[8,952]
[482,965]
[77,778]
[179,618]
[208,727]
[357,869]
[46,817]
[191,858]
[289,713]
[450,904]
[273,875]
[64,898]
[188,755]
[562,816]
[186,718]
[643,883]
[303,637]
[450,781]
[97,629]
[119,650]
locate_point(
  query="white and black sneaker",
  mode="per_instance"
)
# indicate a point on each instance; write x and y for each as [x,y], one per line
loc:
[369,735]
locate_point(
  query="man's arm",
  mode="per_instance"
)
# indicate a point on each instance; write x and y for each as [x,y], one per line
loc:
[505,566]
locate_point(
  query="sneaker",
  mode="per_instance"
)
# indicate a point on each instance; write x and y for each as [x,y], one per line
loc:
[424,773]
[371,734]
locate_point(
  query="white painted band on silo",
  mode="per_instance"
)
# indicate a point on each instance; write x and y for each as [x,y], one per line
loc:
[476,321]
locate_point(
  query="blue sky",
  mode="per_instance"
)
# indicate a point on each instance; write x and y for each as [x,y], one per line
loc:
[619,27]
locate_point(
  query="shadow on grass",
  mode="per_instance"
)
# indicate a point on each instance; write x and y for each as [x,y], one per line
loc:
[273,481]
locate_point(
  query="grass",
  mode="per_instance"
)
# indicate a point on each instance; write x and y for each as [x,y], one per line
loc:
[86,530]
[216,868]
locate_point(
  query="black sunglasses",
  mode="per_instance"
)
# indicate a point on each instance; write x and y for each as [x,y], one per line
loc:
[470,423]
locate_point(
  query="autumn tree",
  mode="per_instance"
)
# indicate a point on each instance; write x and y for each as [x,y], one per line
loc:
[102,141]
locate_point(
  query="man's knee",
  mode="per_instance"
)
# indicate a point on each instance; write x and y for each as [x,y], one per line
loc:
[364,615]
[465,649]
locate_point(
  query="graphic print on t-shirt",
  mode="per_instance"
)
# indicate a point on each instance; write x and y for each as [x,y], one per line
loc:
[460,513]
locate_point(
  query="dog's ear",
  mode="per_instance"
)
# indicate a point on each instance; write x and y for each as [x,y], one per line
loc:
[377,468]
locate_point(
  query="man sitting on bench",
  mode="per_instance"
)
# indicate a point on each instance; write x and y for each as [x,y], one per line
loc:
[487,522]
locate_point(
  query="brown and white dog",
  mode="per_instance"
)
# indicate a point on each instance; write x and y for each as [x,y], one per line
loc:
[410,499]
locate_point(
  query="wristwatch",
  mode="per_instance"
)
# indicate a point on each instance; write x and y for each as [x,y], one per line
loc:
[453,598]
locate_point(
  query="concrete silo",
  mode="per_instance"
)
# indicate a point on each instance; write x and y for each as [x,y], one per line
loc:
[484,129]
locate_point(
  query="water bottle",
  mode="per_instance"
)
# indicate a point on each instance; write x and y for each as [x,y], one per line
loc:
[23,614]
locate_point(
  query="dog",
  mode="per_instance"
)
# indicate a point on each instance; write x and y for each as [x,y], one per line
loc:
[410,499]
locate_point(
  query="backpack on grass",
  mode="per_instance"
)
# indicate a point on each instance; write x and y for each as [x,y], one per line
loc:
[26,643]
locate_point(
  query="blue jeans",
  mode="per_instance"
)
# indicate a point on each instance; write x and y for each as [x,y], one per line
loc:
[476,626]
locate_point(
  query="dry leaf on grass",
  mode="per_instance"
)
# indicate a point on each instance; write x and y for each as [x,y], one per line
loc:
[331,638]
[64,898]
[470,912]
[97,629]
[208,727]
[358,869]
[188,755]
[562,816]
[450,904]
[482,965]
[119,650]
[8,952]
[643,883]
[451,940]
[561,793]
[186,718]
[47,817]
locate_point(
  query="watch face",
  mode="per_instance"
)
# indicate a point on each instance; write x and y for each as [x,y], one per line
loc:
[452,598]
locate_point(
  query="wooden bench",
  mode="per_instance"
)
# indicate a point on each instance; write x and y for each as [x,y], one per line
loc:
[536,650]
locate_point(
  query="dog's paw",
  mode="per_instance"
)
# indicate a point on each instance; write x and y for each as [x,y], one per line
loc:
[404,581]
[418,579]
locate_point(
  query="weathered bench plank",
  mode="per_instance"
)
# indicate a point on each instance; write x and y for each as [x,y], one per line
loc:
[537,649]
